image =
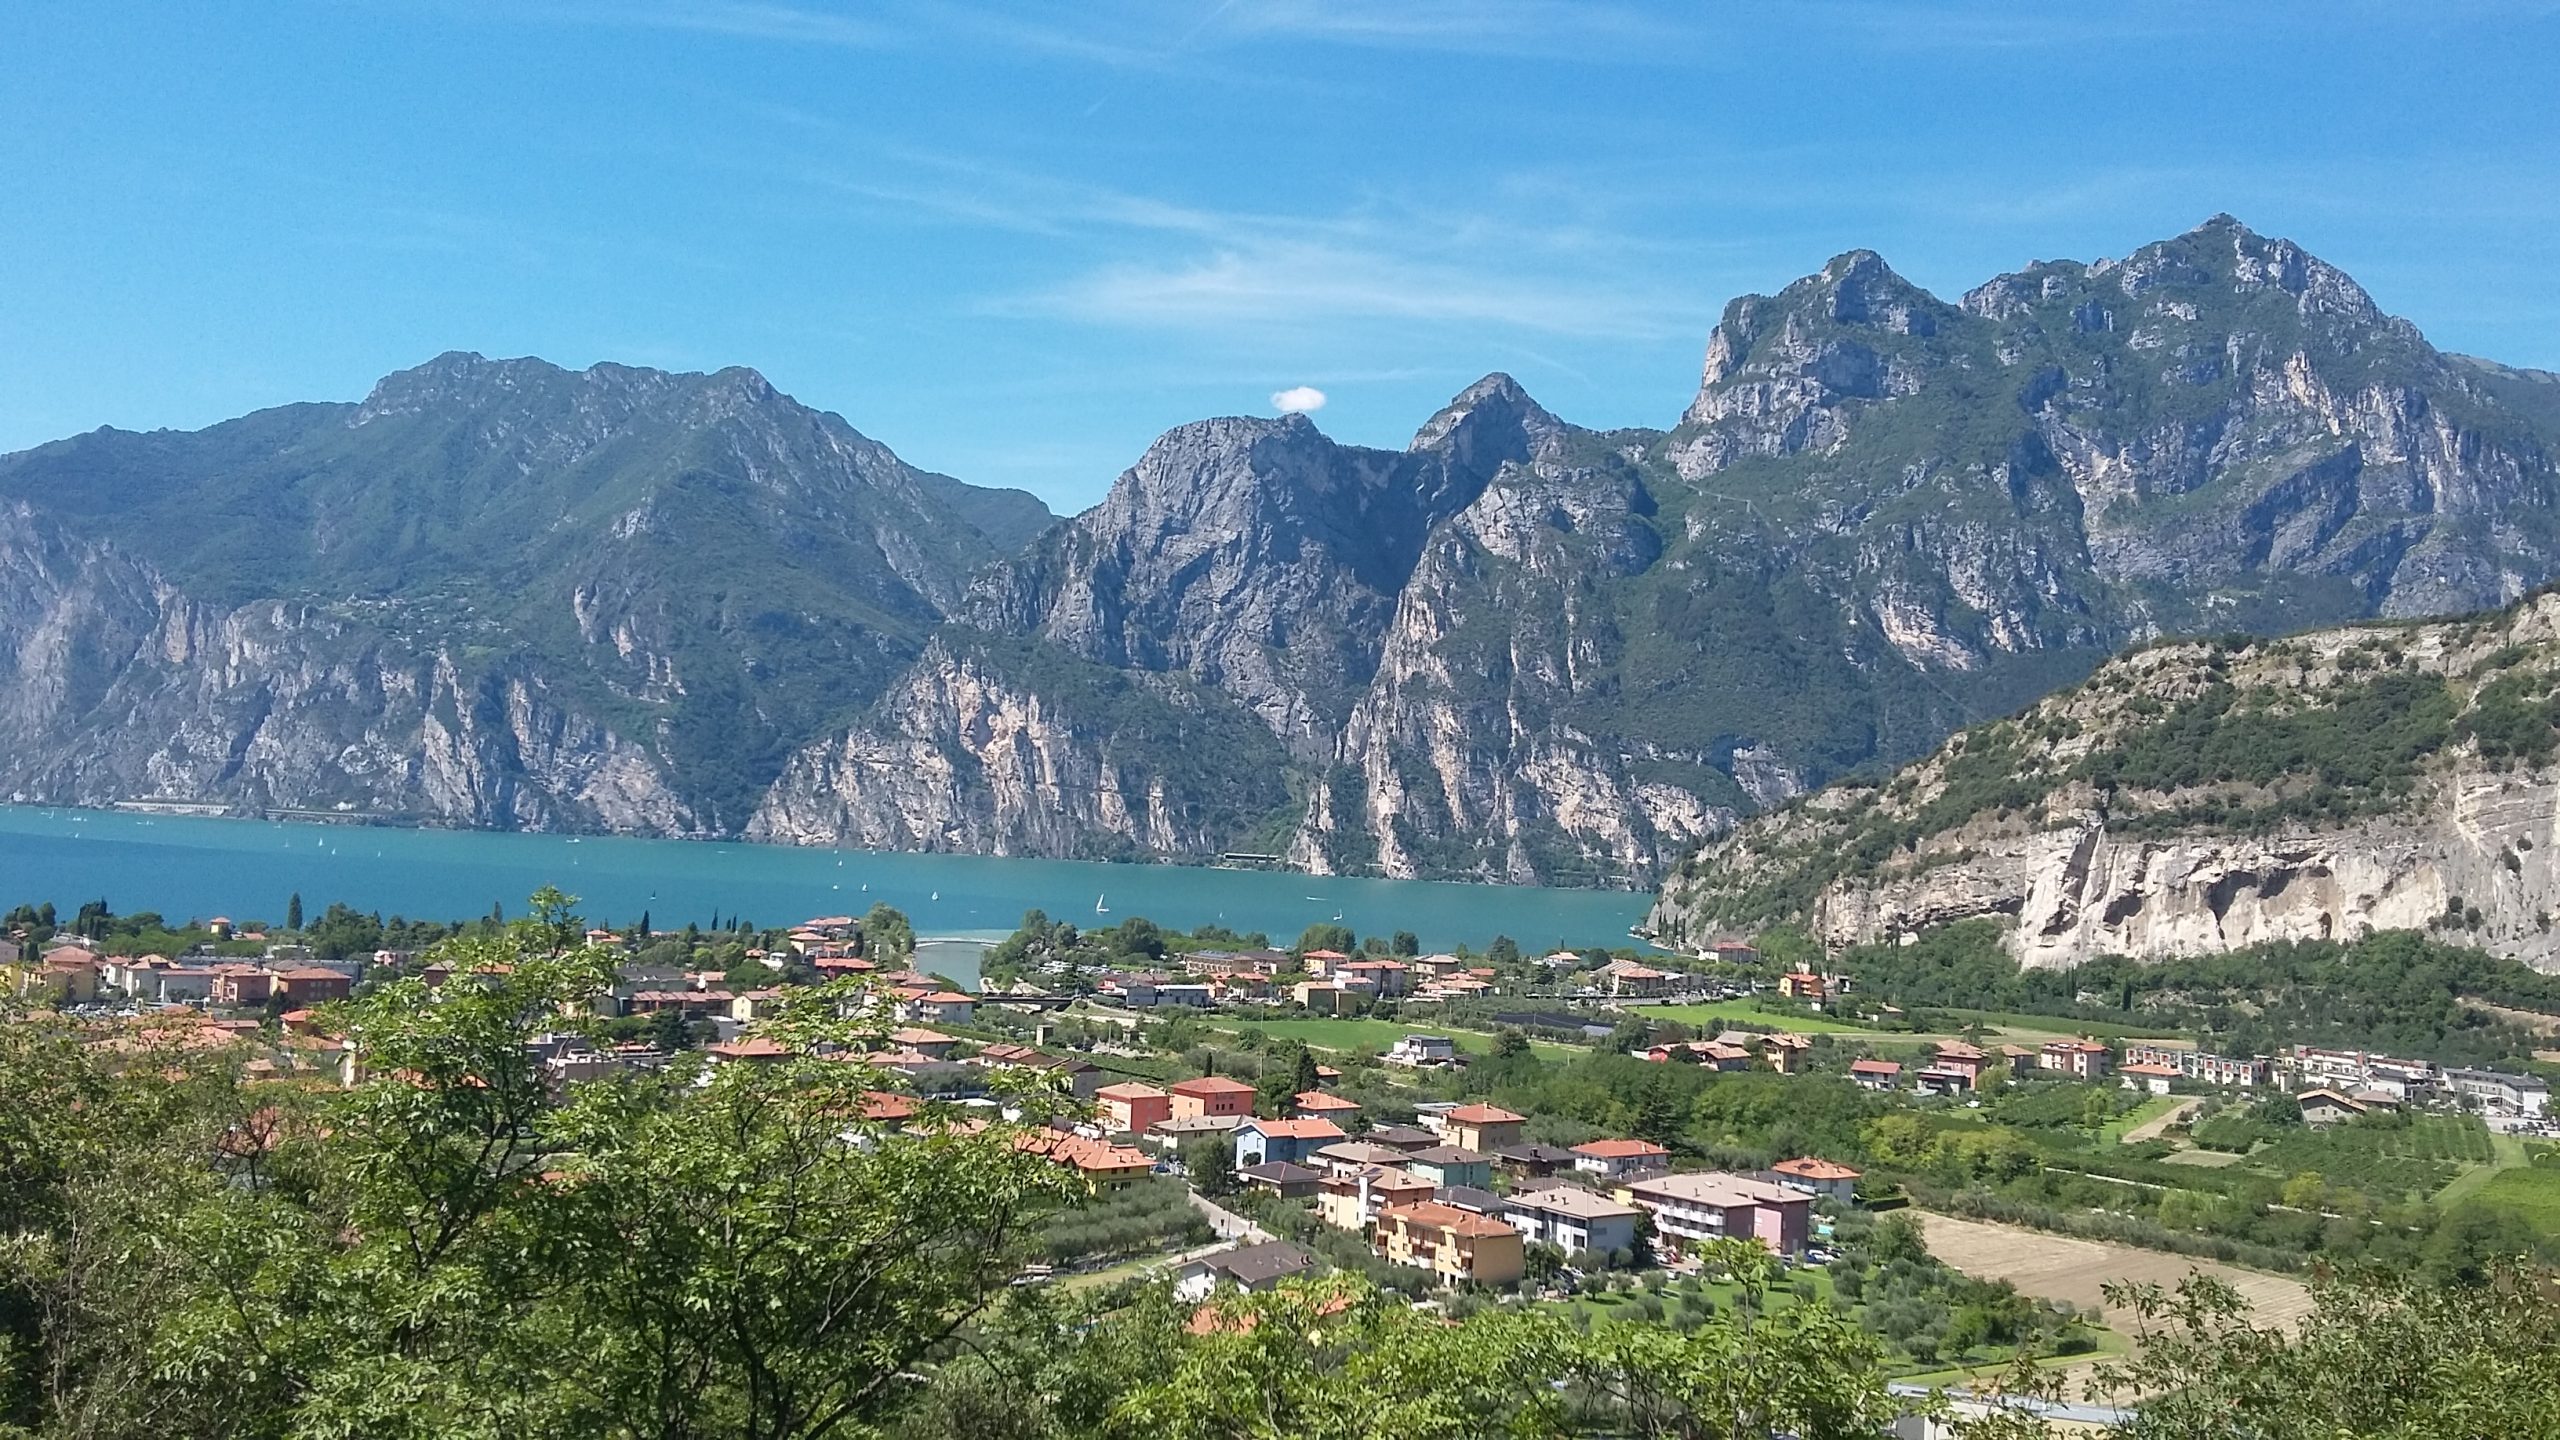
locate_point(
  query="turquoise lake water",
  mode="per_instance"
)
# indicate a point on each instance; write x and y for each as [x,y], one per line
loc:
[184,866]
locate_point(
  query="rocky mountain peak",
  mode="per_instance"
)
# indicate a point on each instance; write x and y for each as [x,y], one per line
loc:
[1493,419]
[1856,291]
[1192,462]
[2225,252]
[463,381]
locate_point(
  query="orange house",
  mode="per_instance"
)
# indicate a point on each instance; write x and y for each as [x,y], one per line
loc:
[1483,1127]
[1211,1095]
[1133,1107]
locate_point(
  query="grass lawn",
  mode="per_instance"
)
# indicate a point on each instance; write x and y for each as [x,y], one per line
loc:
[1113,1275]
[1744,1012]
[2531,1194]
[2208,1159]
[2110,1345]
[1345,1035]
[2054,1027]
[2506,1152]
[2152,1108]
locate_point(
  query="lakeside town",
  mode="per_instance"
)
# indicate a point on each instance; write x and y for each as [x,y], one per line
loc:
[1575,1129]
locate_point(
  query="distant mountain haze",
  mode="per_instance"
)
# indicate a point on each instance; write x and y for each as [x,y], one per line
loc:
[503,594]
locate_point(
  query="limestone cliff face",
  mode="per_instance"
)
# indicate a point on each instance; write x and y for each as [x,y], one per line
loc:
[2405,779]
[1259,557]
[121,687]
[1483,744]
[493,593]
[962,756]
[2080,893]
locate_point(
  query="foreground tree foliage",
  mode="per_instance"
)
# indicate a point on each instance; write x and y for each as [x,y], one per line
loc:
[2381,1355]
[443,1249]
[439,1251]
[1337,1359]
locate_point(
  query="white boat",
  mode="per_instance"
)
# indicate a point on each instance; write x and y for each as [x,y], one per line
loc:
[1099,908]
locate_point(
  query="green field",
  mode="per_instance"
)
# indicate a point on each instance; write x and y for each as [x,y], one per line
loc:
[2152,1108]
[2415,1159]
[2054,1026]
[2506,1152]
[2531,1194]
[1345,1035]
[1734,1012]
[1946,1370]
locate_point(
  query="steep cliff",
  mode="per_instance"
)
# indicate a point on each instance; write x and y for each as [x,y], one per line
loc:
[122,688]
[999,746]
[2197,797]
[493,593]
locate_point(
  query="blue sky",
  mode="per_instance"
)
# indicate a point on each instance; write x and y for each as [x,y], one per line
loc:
[1016,242]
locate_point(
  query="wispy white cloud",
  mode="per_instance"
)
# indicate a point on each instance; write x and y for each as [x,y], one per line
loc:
[2003,24]
[740,19]
[1547,28]
[1159,263]
[1279,282]
[1298,400]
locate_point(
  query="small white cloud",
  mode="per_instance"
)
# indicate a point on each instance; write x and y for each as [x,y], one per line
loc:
[1298,400]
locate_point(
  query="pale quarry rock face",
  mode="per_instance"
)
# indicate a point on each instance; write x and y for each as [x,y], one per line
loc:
[2080,893]
[2472,838]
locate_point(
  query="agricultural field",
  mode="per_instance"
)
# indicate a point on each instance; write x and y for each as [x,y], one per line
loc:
[2201,1159]
[2018,1026]
[1346,1035]
[2414,1159]
[2148,1118]
[1743,1012]
[2530,1193]
[2062,1267]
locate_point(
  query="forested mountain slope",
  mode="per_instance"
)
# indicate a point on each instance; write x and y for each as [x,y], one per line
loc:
[495,593]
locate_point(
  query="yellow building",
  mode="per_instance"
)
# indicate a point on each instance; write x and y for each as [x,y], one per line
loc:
[1451,1243]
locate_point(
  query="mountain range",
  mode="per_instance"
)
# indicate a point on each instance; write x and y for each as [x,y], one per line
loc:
[503,594]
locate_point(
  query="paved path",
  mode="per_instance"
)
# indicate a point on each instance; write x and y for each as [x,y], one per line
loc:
[2158,1125]
[1226,1223]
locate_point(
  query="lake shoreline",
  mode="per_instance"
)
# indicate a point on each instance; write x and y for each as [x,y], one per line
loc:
[192,864]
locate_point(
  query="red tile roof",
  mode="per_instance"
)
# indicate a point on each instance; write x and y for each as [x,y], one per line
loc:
[753,1047]
[1319,1100]
[1618,1149]
[888,1105]
[1090,1156]
[1809,1168]
[1299,1129]
[1446,1217]
[1208,1085]
[1484,1115]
